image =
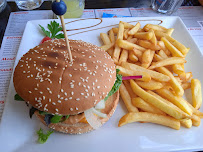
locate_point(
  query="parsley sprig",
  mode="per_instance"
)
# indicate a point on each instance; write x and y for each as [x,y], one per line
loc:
[42,137]
[53,30]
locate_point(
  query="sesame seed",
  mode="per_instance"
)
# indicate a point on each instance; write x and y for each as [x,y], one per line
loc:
[78,99]
[30,91]
[59,101]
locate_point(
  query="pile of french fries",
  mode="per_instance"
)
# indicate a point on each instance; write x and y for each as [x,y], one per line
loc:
[157,97]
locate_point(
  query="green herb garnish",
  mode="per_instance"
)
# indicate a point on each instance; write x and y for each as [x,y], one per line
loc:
[53,30]
[116,85]
[18,98]
[42,137]
[56,119]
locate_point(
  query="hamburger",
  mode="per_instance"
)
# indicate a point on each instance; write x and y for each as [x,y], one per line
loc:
[72,98]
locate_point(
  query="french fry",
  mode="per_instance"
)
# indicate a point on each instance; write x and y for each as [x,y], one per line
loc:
[134,29]
[127,99]
[157,58]
[185,76]
[128,46]
[187,123]
[107,46]
[148,45]
[132,40]
[147,27]
[127,25]
[132,57]
[186,85]
[111,36]
[125,34]
[153,39]
[126,72]
[115,30]
[169,31]
[104,37]
[151,85]
[117,49]
[146,107]
[195,111]
[196,121]
[156,102]
[138,54]
[175,43]
[174,83]
[123,57]
[174,51]
[178,69]
[147,58]
[150,117]
[163,47]
[144,35]
[196,93]
[168,61]
[129,89]
[176,100]
[155,75]
[162,54]
[169,103]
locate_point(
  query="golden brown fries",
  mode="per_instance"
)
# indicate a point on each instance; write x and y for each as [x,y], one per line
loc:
[134,29]
[155,75]
[175,43]
[127,99]
[152,52]
[111,36]
[155,101]
[174,51]
[125,72]
[186,85]
[176,100]
[117,49]
[123,57]
[168,61]
[128,45]
[196,93]
[150,117]
[146,107]
[107,46]
[127,25]
[129,89]
[151,85]
[187,123]
[148,45]
[196,121]
[144,35]
[174,83]
[132,57]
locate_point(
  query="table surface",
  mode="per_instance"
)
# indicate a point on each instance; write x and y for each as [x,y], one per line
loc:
[89,4]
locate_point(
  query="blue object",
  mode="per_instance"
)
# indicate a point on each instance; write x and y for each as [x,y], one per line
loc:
[105,15]
[59,8]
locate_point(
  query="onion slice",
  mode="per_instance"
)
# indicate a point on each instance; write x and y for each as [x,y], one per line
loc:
[93,120]
[132,77]
[100,114]
[100,105]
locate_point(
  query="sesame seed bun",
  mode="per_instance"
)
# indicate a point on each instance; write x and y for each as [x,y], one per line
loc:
[46,79]
[80,127]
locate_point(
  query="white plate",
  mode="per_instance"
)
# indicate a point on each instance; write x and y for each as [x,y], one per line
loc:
[18,131]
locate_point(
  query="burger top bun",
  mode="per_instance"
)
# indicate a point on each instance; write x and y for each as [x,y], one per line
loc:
[46,79]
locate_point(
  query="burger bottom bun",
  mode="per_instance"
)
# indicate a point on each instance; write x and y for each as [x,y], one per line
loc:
[79,128]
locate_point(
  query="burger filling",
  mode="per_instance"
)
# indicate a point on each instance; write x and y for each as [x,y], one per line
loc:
[88,116]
